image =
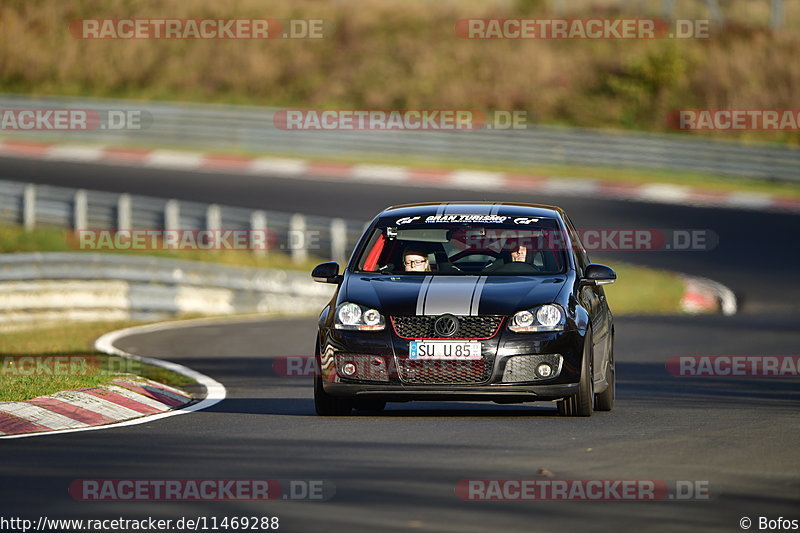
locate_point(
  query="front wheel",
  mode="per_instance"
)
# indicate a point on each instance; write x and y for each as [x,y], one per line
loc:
[328,405]
[581,403]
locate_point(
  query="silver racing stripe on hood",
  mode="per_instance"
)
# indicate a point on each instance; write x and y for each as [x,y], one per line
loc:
[423,293]
[446,294]
[476,296]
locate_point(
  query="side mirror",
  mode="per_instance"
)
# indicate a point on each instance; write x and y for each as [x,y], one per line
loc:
[599,275]
[327,273]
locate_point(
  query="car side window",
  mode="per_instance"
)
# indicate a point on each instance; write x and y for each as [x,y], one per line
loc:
[580,254]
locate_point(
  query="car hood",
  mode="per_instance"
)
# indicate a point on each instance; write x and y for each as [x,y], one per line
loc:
[459,295]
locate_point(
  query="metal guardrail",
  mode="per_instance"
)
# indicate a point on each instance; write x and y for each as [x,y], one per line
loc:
[295,234]
[44,287]
[252,128]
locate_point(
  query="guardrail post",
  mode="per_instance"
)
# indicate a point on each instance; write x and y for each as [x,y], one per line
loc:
[172,215]
[258,223]
[213,218]
[298,243]
[29,207]
[716,14]
[124,218]
[80,206]
[776,15]
[668,8]
[338,240]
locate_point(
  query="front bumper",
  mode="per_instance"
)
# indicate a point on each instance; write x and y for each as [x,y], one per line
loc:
[501,393]
[390,352]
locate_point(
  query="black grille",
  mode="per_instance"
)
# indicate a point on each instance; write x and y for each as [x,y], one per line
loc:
[444,371]
[470,327]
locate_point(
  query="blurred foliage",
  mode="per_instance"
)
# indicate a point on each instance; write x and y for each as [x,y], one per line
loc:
[406,55]
[647,83]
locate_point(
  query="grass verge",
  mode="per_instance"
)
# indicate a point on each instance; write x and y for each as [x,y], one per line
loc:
[643,290]
[24,381]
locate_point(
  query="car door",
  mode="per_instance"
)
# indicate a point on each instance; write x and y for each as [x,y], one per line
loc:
[593,298]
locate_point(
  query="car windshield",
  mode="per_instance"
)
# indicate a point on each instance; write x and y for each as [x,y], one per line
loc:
[532,246]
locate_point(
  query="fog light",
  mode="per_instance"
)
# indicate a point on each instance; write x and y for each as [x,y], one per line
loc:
[544,370]
[349,369]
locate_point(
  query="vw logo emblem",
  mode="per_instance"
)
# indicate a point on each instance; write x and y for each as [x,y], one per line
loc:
[446,326]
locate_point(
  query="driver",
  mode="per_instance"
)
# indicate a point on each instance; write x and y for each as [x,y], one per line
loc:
[415,260]
[519,254]
[513,254]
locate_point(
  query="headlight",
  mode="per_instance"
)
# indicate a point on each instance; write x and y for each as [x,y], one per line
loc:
[549,317]
[349,314]
[358,317]
[371,317]
[523,319]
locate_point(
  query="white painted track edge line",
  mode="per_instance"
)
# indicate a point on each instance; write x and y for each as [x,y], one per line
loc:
[215,391]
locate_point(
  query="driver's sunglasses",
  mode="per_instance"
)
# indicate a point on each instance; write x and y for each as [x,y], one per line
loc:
[415,262]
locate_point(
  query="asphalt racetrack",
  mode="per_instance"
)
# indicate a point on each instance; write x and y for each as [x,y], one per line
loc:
[398,471]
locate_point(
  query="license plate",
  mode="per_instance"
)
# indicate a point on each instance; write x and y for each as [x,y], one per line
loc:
[456,351]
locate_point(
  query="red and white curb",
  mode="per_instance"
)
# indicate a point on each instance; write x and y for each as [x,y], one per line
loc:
[123,399]
[397,175]
[124,402]
[702,295]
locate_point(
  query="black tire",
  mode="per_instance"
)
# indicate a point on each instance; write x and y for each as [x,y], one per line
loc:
[604,401]
[581,403]
[369,405]
[326,404]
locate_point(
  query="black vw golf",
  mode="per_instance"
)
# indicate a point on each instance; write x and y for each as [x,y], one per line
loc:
[466,301]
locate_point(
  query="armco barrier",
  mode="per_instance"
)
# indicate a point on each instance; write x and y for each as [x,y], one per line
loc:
[222,127]
[296,234]
[45,287]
